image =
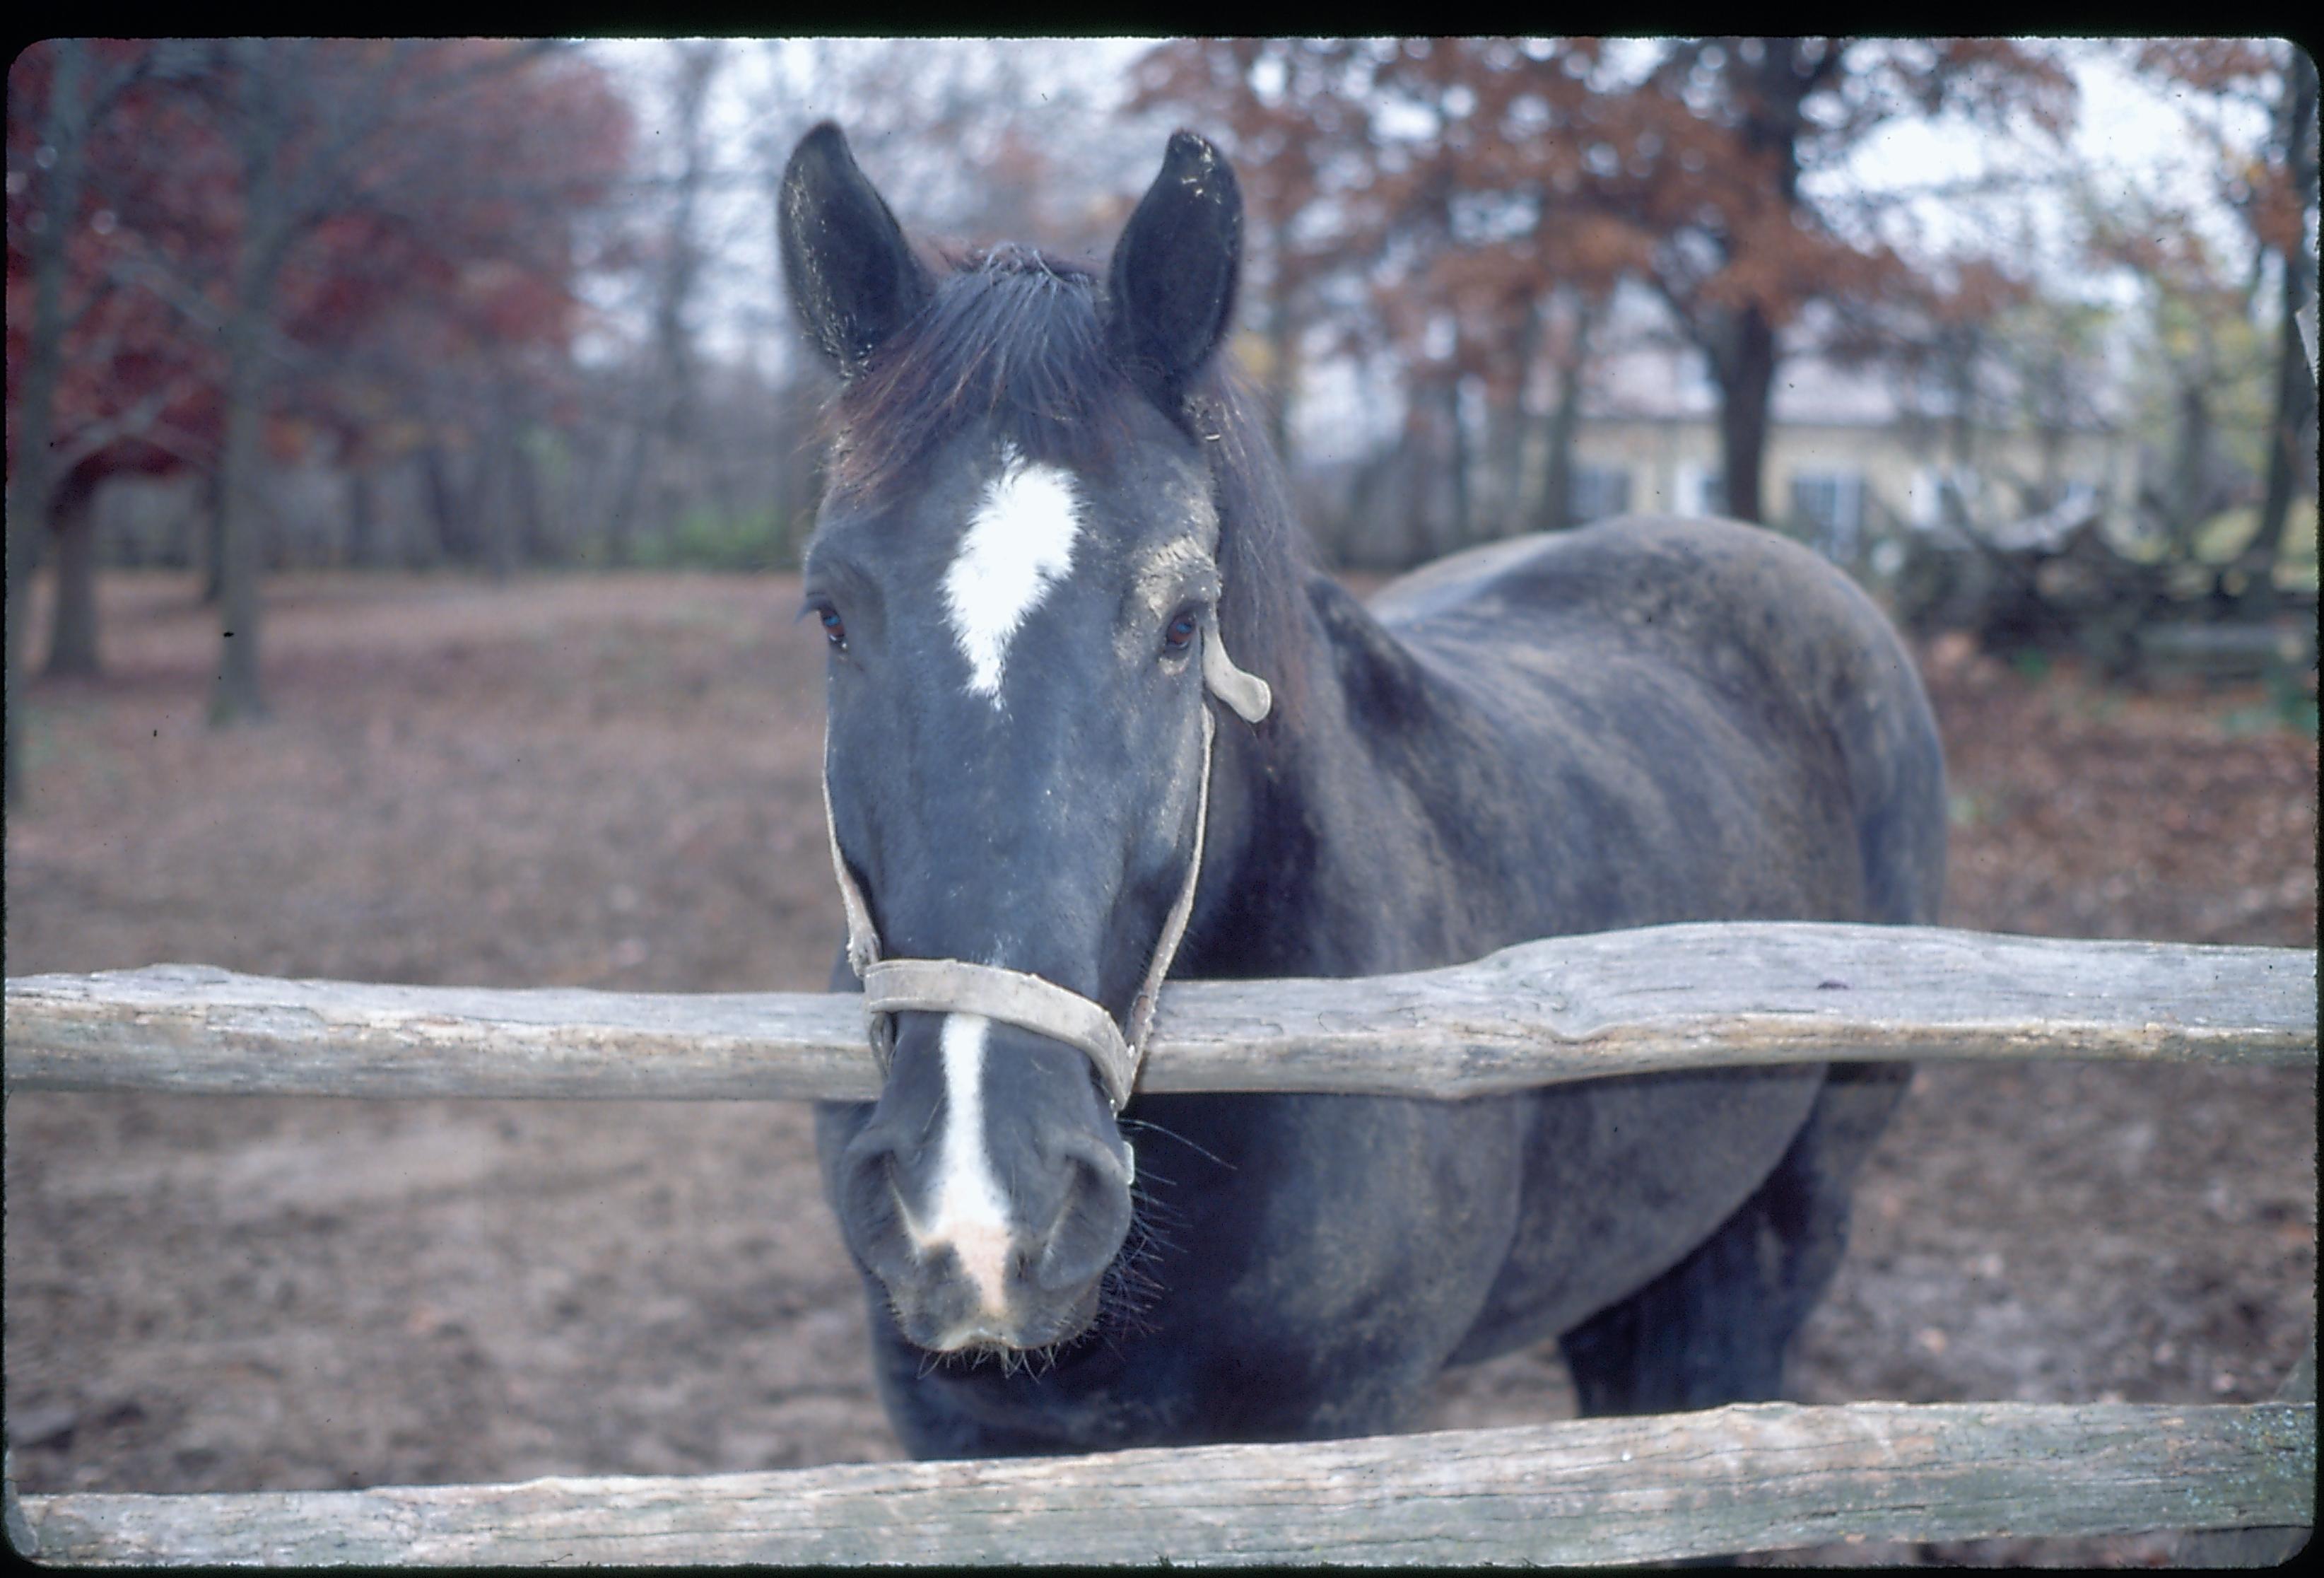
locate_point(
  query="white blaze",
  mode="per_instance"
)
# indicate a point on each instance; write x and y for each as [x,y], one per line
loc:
[1018,544]
[968,1212]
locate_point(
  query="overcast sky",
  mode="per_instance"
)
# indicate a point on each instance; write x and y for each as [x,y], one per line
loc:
[2128,130]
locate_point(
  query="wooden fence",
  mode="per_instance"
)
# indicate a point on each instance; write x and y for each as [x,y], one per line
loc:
[1755,1477]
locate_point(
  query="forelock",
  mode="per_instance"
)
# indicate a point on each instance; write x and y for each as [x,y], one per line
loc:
[1010,338]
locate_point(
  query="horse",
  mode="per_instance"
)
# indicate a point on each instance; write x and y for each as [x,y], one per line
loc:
[1092,720]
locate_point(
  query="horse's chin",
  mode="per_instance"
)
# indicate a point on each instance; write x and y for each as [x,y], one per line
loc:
[1016,1334]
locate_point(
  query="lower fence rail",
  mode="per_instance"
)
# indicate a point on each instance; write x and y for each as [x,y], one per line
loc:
[1752,1477]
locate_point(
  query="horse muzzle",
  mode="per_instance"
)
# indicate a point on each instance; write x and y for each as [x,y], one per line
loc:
[989,1192]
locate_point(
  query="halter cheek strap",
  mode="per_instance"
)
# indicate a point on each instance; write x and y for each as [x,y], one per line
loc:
[1029,1002]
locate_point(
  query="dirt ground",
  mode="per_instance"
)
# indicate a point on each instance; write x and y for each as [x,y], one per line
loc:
[610,782]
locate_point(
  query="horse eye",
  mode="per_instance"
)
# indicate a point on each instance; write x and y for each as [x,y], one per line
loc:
[1180,634]
[834,628]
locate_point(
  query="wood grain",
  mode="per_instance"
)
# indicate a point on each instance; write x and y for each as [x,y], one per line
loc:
[1539,1013]
[1751,1477]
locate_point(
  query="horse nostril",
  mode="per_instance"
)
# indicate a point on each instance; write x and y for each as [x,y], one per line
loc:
[1109,1158]
[1093,1216]
[871,1207]
[871,1151]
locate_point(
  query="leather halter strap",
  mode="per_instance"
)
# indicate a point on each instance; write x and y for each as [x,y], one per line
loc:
[1031,1001]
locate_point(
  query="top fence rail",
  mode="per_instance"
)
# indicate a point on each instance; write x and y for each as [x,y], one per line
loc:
[1656,998]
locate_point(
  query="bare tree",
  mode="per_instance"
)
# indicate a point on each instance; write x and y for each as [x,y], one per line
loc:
[667,391]
[1478,174]
[330,138]
[80,92]
[2285,225]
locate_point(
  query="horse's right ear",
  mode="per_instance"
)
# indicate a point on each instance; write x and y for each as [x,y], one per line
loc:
[854,279]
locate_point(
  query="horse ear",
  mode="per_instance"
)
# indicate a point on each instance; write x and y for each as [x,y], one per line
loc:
[854,279]
[1172,281]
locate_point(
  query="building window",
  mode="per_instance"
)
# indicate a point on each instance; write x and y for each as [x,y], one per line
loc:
[1924,504]
[1701,490]
[1830,503]
[1598,491]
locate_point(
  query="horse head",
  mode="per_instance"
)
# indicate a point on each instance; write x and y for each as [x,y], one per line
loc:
[1016,569]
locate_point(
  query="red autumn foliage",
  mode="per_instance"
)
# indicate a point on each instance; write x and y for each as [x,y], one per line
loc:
[428,189]
[1475,176]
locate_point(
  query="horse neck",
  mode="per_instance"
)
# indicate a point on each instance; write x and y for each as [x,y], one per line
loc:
[1316,819]
[1312,820]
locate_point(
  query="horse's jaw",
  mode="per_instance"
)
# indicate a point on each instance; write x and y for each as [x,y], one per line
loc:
[1006,1335]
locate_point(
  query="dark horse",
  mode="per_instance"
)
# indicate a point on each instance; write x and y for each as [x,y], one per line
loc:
[1052,537]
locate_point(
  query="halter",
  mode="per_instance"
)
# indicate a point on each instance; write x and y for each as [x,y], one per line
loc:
[1012,996]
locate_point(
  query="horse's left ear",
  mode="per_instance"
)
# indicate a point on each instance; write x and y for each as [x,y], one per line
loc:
[1172,281]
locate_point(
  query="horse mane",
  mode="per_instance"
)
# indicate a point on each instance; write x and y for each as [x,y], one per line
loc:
[1263,559]
[1016,338]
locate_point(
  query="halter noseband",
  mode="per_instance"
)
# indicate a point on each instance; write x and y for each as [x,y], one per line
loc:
[1012,996]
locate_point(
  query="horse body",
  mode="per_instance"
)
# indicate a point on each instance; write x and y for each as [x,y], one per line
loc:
[1642,722]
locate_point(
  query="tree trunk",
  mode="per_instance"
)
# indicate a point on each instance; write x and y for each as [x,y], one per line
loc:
[1500,449]
[73,635]
[1497,451]
[1744,363]
[1417,470]
[237,695]
[1555,510]
[1964,349]
[1510,514]
[1282,349]
[22,547]
[363,519]
[497,505]
[214,536]
[2190,492]
[431,548]
[177,550]
[620,526]
[668,402]
[1457,437]
[34,398]
[65,129]
[524,497]
[2290,454]
[2289,445]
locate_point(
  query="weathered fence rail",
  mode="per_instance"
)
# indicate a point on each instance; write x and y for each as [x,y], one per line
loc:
[1752,1477]
[1761,1476]
[1566,1008]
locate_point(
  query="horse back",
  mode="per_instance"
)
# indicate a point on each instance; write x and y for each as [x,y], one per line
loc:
[1715,672]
